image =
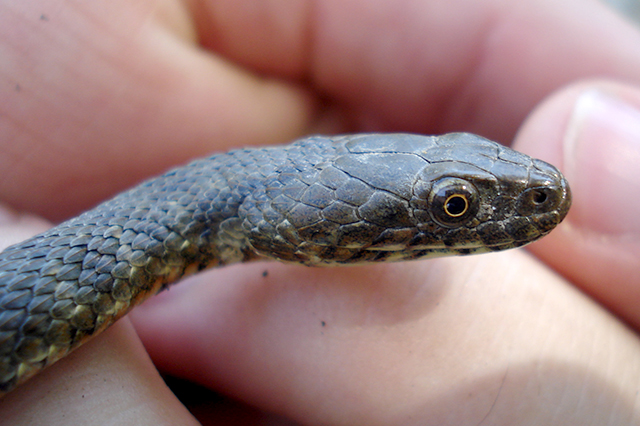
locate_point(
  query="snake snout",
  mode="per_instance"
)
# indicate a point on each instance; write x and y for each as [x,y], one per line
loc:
[548,192]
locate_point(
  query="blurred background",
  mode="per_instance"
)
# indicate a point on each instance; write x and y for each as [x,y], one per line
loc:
[631,8]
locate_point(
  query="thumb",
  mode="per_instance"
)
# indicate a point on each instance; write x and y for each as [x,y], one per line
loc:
[592,132]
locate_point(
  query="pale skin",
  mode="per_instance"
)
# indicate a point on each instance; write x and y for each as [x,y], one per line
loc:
[98,95]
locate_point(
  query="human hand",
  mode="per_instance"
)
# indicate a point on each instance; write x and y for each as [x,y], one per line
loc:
[97,96]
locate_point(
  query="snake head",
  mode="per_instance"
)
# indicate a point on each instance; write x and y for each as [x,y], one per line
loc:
[496,199]
[401,196]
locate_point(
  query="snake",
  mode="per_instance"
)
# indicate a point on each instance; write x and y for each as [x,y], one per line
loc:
[319,201]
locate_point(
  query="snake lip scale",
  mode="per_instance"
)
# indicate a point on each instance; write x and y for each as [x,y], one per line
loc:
[319,201]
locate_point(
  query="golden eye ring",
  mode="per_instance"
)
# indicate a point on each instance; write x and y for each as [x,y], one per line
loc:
[456,205]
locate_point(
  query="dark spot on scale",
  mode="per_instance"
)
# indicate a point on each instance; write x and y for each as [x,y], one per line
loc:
[265,273]
[322,323]
[44,17]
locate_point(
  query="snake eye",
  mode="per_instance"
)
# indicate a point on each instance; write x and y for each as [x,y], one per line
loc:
[453,202]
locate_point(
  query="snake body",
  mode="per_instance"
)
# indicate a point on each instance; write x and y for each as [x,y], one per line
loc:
[319,201]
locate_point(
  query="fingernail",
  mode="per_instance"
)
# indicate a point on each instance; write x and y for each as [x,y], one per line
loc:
[602,163]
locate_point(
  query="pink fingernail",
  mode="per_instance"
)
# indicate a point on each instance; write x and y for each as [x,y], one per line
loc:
[602,163]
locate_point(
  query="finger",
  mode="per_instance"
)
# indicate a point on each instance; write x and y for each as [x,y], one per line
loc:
[98,95]
[110,379]
[449,341]
[595,131]
[427,66]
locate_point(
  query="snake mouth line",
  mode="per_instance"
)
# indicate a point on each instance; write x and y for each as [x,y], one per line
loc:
[460,248]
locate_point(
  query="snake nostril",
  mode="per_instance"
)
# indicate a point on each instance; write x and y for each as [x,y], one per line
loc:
[539,197]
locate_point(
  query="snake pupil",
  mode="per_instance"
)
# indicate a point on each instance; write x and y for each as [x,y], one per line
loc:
[456,206]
